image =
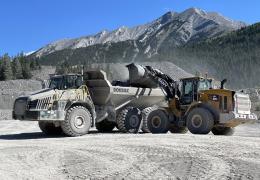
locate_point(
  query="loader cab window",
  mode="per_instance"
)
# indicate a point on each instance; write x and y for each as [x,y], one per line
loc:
[189,91]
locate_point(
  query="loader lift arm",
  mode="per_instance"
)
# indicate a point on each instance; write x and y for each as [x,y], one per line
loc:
[165,82]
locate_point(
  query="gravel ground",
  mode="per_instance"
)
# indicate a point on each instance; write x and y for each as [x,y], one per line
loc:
[25,153]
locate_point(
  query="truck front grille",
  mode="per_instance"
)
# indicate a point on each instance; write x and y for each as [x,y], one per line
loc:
[32,104]
[40,104]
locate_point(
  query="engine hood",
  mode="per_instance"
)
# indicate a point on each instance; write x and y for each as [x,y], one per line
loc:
[41,94]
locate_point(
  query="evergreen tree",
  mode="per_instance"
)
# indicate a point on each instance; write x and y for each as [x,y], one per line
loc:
[6,68]
[26,70]
[17,69]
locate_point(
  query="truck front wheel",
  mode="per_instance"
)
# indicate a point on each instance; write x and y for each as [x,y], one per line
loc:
[77,121]
[49,128]
[200,121]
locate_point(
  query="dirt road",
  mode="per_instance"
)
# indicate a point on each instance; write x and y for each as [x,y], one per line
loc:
[25,153]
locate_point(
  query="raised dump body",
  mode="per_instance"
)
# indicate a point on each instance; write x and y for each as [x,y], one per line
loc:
[110,99]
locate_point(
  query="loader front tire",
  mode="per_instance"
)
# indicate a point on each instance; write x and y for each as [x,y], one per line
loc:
[129,120]
[77,121]
[200,121]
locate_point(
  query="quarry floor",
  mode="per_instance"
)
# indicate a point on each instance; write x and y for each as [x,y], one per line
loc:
[25,153]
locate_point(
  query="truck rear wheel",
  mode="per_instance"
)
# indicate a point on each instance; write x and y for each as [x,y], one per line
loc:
[200,121]
[145,114]
[77,121]
[49,128]
[105,126]
[178,130]
[129,120]
[227,131]
[158,122]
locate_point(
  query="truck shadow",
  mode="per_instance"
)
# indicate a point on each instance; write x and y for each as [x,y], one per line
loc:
[26,136]
[40,135]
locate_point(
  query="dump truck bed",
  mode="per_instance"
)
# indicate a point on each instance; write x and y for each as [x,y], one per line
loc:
[103,93]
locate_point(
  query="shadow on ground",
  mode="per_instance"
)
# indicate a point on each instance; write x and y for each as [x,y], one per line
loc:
[40,135]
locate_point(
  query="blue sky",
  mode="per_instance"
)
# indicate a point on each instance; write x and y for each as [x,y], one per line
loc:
[27,25]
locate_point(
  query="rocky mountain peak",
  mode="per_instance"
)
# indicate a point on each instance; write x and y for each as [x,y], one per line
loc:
[192,24]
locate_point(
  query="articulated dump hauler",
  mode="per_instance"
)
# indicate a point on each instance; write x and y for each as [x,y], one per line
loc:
[74,103]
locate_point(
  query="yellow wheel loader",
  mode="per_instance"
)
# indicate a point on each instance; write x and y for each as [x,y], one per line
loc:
[195,105]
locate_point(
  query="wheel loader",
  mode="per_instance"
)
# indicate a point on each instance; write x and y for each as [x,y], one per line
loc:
[73,103]
[194,104]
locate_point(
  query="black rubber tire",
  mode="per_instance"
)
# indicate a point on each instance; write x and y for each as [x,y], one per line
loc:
[49,128]
[105,126]
[178,130]
[227,131]
[71,127]
[158,122]
[145,114]
[129,120]
[205,119]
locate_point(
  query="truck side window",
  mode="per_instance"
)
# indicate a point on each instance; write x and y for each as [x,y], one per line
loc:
[70,82]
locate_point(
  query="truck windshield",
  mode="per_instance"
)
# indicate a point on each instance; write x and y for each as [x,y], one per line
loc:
[56,83]
[205,84]
[66,82]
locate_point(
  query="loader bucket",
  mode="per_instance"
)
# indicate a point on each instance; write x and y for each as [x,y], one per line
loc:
[138,77]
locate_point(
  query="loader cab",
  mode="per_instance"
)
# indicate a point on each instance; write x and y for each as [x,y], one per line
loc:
[63,82]
[190,88]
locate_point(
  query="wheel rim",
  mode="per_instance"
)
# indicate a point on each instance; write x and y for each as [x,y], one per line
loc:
[196,121]
[156,121]
[134,121]
[79,122]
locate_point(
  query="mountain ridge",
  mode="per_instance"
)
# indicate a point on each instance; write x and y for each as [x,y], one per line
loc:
[194,20]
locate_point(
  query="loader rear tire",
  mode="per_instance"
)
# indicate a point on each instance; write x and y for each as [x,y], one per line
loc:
[227,131]
[77,121]
[105,126]
[129,120]
[178,130]
[49,128]
[158,122]
[145,114]
[200,121]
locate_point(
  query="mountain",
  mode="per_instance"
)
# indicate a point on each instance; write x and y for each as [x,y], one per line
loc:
[175,28]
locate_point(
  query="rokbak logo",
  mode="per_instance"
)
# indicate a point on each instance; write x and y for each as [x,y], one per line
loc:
[122,90]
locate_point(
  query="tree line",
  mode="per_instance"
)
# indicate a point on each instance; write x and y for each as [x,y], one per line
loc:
[17,67]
